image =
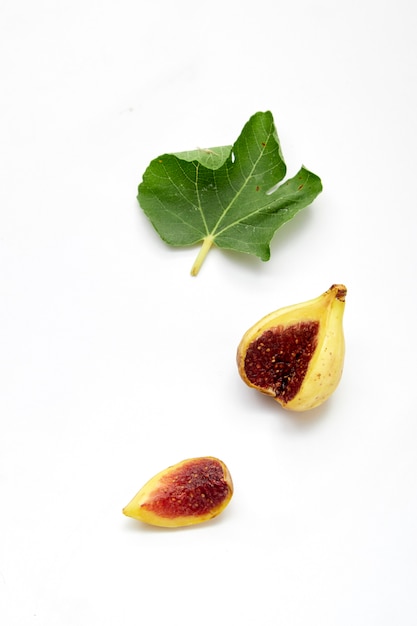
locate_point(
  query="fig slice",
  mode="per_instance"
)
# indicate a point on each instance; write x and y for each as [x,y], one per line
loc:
[190,492]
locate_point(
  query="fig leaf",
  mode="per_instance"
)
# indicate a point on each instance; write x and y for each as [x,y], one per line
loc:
[228,196]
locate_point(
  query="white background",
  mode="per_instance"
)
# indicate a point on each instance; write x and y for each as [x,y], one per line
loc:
[115,362]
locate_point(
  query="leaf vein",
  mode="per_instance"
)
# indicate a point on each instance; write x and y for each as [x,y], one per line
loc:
[243,185]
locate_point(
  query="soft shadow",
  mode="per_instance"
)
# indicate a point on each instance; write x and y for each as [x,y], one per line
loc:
[291,229]
[304,420]
[280,241]
[136,526]
[248,261]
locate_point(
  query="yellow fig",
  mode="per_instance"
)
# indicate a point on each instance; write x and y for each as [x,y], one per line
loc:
[190,492]
[296,353]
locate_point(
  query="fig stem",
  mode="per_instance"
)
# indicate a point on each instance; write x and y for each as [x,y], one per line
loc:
[207,243]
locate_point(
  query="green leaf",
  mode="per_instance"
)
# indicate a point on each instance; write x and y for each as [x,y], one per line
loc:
[213,158]
[228,196]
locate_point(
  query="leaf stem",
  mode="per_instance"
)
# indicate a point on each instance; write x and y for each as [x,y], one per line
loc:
[207,243]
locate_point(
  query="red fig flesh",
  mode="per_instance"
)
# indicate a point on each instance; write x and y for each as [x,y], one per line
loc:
[190,492]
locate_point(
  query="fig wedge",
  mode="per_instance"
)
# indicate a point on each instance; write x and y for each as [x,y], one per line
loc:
[190,492]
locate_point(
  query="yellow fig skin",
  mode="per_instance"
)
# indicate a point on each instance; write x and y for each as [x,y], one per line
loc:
[187,493]
[325,366]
